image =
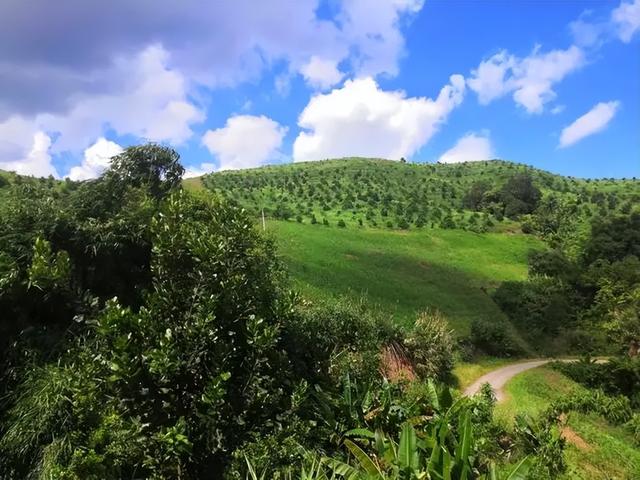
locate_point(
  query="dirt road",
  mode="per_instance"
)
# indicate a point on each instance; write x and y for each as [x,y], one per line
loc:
[498,378]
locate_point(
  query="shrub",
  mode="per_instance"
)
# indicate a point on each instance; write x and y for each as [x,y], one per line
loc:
[430,344]
[540,438]
[341,223]
[493,338]
[319,335]
[618,376]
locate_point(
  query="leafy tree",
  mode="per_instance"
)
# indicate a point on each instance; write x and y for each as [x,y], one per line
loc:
[155,166]
[519,195]
[475,196]
[613,238]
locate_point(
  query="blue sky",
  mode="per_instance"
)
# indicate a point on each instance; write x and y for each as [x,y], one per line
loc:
[242,84]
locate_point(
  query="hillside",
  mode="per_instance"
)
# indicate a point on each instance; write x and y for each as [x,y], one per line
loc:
[391,194]
[402,272]
[408,239]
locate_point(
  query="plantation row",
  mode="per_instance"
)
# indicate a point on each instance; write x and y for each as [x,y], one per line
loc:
[386,194]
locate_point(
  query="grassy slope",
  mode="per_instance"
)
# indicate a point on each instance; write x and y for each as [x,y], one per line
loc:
[404,272]
[610,453]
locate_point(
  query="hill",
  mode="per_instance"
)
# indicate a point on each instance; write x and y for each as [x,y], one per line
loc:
[390,194]
[410,237]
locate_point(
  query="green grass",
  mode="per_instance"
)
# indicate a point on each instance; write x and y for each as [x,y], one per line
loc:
[531,392]
[608,452]
[403,273]
[613,454]
[466,373]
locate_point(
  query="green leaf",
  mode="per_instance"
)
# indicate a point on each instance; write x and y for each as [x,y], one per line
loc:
[408,450]
[464,446]
[360,432]
[521,470]
[364,460]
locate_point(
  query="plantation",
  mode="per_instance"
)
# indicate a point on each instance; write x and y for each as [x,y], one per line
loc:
[385,194]
[151,331]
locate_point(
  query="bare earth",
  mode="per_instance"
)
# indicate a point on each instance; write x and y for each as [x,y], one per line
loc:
[498,378]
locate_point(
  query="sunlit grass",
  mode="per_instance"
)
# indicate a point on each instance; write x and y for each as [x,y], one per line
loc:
[405,272]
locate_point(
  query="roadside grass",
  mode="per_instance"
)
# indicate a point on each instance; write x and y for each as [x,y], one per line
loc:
[404,272]
[609,453]
[532,391]
[465,373]
[614,455]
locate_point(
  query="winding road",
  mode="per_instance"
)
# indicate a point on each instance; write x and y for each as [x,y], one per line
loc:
[498,378]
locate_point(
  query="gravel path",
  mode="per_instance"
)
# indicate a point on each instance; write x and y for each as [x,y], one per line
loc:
[498,378]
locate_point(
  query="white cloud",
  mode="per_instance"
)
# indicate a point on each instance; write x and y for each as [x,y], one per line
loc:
[203,169]
[245,141]
[373,32]
[557,109]
[489,81]
[529,79]
[626,19]
[591,122]
[361,119]
[97,159]
[470,148]
[152,104]
[24,149]
[321,73]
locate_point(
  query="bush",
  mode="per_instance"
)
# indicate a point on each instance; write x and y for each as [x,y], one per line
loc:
[318,336]
[618,376]
[493,338]
[430,344]
[341,223]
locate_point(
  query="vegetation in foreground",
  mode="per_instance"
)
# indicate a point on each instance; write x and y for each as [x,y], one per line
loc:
[599,435]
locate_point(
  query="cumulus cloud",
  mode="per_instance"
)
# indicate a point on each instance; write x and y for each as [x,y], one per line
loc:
[594,121]
[97,159]
[374,33]
[152,103]
[530,79]
[626,19]
[245,141]
[470,148]
[24,149]
[212,43]
[321,73]
[362,119]
[135,67]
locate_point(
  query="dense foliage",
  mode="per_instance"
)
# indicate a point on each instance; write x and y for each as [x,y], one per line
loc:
[149,332]
[593,299]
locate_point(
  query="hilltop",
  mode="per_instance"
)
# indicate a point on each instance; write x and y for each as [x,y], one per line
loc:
[391,194]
